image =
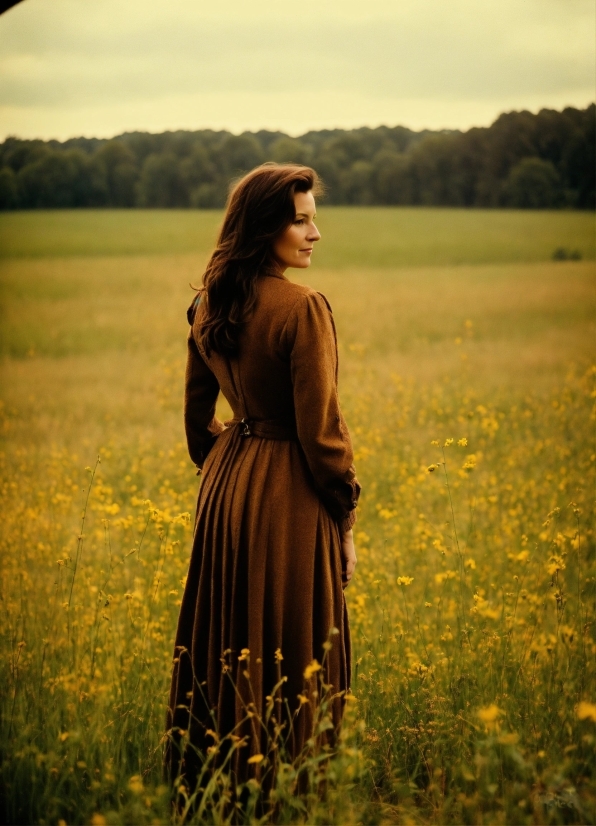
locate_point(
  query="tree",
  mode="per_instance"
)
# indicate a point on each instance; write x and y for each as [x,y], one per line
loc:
[160,184]
[208,196]
[239,154]
[434,171]
[8,189]
[521,160]
[62,179]
[121,174]
[533,184]
[358,183]
[16,153]
[290,150]
[392,178]
[578,161]
[88,181]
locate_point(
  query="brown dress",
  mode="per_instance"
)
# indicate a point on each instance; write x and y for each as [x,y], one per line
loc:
[278,485]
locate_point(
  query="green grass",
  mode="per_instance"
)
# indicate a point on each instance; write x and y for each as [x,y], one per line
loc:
[477,335]
[374,237]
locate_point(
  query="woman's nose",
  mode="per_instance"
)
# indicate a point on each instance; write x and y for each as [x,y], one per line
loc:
[314,234]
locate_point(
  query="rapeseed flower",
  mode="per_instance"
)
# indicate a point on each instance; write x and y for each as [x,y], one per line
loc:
[256,758]
[490,714]
[586,711]
[311,669]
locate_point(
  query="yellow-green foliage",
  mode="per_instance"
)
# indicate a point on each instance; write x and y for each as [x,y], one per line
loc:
[470,394]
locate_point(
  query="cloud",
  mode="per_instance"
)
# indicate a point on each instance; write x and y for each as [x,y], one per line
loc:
[79,57]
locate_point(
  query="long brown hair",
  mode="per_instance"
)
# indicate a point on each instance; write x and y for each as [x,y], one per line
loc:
[260,207]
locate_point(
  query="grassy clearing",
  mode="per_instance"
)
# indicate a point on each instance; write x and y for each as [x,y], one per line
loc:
[473,606]
[354,237]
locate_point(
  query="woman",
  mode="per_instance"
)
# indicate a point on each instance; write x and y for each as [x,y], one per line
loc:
[273,533]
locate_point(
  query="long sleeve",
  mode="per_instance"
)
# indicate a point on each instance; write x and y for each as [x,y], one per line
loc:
[200,396]
[322,431]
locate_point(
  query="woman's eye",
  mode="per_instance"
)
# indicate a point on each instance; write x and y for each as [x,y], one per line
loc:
[299,221]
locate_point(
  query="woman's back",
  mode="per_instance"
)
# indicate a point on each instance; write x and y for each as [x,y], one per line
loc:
[263,596]
[257,383]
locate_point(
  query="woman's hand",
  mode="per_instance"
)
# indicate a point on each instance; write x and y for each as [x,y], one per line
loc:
[348,557]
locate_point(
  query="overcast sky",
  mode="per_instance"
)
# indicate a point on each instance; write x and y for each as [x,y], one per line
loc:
[102,67]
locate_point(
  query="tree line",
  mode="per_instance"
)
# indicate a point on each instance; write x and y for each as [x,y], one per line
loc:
[522,160]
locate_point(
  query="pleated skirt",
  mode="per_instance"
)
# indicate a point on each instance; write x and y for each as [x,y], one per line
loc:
[263,600]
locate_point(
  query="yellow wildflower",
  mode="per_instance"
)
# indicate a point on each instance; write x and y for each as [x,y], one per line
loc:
[490,714]
[135,784]
[311,669]
[586,711]
[555,564]
[439,578]
[256,758]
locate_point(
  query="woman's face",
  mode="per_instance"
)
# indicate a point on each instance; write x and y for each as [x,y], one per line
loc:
[294,247]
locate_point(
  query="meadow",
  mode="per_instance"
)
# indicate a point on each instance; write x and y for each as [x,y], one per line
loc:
[468,380]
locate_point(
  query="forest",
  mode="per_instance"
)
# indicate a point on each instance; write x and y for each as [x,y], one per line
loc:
[523,160]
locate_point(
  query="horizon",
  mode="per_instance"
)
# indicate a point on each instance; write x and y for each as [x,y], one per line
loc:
[289,134]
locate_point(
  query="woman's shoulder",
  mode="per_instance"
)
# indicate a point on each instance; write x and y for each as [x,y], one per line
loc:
[310,299]
[293,295]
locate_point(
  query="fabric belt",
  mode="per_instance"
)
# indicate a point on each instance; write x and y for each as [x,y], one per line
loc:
[265,429]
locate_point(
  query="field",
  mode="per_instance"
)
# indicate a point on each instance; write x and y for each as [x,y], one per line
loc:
[468,382]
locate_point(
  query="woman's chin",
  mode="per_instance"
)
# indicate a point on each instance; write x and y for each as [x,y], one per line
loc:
[300,263]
